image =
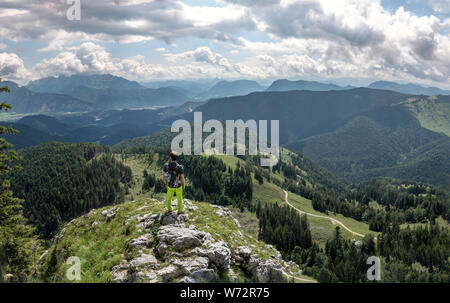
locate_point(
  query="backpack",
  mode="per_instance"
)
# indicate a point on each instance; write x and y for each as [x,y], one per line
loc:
[172,174]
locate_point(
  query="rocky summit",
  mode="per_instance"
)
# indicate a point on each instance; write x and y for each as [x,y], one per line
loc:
[138,242]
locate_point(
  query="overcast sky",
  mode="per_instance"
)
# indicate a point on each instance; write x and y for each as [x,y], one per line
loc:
[341,41]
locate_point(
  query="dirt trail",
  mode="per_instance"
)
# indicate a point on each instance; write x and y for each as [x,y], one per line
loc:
[297,278]
[333,221]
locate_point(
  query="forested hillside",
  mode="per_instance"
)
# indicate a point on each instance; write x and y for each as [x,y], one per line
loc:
[382,142]
[59,182]
[382,204]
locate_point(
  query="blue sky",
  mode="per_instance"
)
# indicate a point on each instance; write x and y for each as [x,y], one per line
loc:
[345,42]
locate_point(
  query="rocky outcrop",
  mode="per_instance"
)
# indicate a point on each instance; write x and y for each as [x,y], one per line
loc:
[171,247]
[206,244]
[194,255]
[179,238]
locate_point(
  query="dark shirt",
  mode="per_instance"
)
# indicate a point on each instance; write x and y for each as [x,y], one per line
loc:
[175,170]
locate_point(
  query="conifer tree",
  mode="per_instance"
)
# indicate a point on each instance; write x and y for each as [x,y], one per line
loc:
[18,246]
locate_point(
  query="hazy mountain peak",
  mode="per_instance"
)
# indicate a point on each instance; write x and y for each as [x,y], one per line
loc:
[409,88]
[286,85]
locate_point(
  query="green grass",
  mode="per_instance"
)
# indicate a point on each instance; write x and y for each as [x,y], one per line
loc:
[320,227]
[230,161]
[267,192]
[439,220]
[432,114]
[248,220]
[99,247]
[102,246]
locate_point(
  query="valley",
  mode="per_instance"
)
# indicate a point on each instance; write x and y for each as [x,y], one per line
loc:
[346,183]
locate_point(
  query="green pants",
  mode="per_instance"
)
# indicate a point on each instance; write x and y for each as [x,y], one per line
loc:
[179,192]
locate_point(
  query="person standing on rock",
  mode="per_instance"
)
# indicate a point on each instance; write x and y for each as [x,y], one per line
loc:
[173,176]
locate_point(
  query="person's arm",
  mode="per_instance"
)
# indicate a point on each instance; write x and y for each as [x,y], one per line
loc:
[182,179]
[164,178]
[164,175]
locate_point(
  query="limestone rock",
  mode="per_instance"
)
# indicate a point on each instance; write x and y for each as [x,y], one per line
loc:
[119,275]
[150,221]
[191,265]
[219,254]
[168,273]
[109,213]
[269,271]
[174,219]
[204,276]
[144,261]
[143,241]
[180,238]
[243,252]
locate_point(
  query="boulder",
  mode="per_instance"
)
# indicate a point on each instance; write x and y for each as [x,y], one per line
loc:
[174,219]
[180,238]
[144,261]
[143,241]
[186,280]
[109,213]
[243,252]
[222,211]
[219,254]
[88,215]
[204,276]
[169,273]
[191,265]
[119,275]
[269,272]
[251,263]
[150,221]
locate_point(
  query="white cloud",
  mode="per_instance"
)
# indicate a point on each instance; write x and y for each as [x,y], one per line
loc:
[12,67]
[303,38]
[203,55]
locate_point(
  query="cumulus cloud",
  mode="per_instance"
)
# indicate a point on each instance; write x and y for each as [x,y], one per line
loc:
[92,58]
[12,67]
[204,55]
[353,33]
[120,21]
[302,38]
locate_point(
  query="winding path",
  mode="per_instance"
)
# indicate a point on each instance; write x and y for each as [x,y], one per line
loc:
[297,278]
[333,221]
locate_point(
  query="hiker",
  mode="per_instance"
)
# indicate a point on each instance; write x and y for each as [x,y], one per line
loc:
[173,176]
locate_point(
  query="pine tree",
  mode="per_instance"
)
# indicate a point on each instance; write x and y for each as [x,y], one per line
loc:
[18,247]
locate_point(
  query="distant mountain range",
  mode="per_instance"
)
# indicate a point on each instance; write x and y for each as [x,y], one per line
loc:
[409,88]
[357,133]
[287,85]
[24,100]
[202,89]
[67,85]
[109,92]
[105,127]
[231,88]
[191,88]
[84,93]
